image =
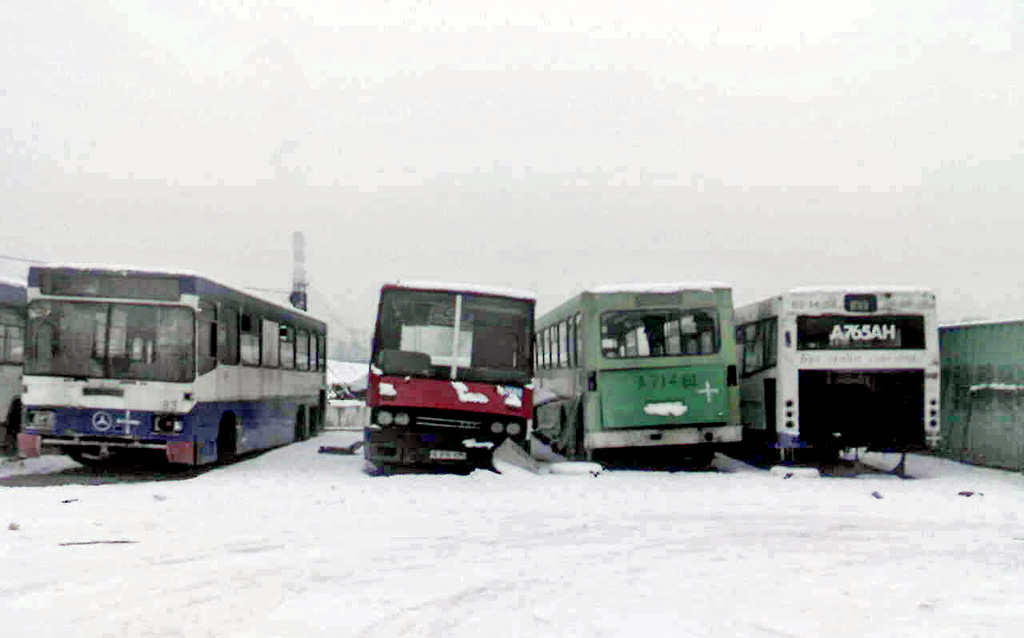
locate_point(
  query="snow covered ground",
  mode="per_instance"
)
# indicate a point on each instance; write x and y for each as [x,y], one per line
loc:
[295,543]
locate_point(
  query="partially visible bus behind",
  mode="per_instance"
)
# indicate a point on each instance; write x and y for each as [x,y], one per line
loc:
[450,375]
[831,368]
[12,339]
[156,364]
[631,372]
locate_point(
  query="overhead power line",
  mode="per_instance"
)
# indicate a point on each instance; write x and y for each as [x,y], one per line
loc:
[22,259]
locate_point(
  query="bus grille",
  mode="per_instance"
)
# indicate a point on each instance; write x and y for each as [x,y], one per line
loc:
[443,422]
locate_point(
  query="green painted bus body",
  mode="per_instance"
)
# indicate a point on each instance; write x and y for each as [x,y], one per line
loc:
[605,398]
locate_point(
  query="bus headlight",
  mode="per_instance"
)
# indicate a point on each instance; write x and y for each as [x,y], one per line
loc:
[402,418]
[497,427]
[167,424]
[385,418]
[514,429]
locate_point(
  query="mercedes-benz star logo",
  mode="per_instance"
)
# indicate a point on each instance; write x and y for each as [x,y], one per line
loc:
[102,421]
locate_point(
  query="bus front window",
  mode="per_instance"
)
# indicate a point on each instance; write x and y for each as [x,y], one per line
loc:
[483,338]
[119,341]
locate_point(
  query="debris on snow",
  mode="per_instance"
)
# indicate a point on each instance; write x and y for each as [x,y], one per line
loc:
[98,542]
[787,472]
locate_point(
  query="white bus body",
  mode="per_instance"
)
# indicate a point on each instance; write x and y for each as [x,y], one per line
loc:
[125,361]
[840,367]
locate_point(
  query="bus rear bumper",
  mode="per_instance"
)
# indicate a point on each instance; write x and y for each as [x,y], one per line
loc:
[651,437]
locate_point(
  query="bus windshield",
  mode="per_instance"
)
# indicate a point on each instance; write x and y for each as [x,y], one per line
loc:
[675,332]
[110,340]
[489,341]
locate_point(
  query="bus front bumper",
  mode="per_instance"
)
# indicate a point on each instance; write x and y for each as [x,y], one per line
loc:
[395,446]
[651,437]
[33,445]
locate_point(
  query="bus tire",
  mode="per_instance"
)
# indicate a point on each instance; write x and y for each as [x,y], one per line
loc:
[314,423]
[227,439]
[12,426]
[301,427]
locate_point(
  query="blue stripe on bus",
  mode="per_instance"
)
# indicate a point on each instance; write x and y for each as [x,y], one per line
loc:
[265,423]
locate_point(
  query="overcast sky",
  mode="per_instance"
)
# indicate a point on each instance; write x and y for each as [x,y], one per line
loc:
[530,144]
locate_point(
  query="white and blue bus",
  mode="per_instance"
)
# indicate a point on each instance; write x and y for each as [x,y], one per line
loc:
[129,362]
[12,339]
[836,367]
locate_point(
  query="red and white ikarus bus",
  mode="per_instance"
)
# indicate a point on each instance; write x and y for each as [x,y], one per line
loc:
[12,340]
[450,374]
[145,363]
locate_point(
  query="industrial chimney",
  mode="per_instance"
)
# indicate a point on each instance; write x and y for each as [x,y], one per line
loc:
[299,284]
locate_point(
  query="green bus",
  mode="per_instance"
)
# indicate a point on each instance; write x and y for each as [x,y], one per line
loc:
[630,372]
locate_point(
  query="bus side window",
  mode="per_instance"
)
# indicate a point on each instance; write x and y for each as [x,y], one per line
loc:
[12,337]
[287,347]
[270,355]
[752,353]
[771,355]
[578,345]
[207,338]
[302,350]
[227,335]
[321,353]
[563,344]
[250,340]
[571,343]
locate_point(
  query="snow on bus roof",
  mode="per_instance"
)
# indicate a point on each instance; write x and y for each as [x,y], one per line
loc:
[462,287]
[860,288]
[662,287]
[10,281]
[176,272]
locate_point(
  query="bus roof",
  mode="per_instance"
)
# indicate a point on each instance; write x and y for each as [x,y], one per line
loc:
[662,287]
[858,288]
[463,287]
[181,273]
[12,291]
[12,282]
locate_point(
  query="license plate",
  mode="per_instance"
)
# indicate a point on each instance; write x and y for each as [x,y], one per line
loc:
[447,455]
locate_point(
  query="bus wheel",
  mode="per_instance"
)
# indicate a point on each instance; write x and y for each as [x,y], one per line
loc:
[314,422]
[301,430]
[227,439]
[12,426]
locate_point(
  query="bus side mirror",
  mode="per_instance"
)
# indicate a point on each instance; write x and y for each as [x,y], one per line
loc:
[592,382]
[731,377]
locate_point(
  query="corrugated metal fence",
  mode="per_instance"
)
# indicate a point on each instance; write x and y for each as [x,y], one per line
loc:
[983,393]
